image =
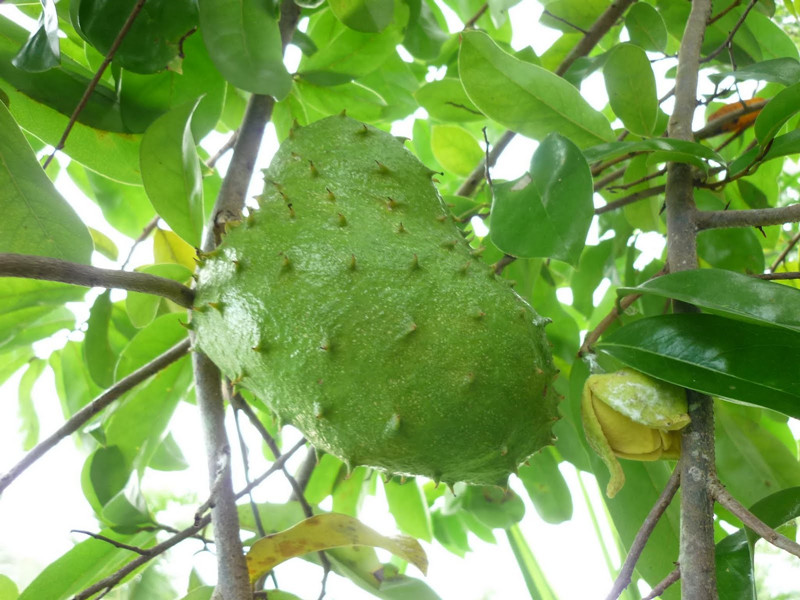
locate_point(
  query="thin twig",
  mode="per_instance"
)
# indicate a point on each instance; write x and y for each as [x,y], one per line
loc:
[146,231]
[481,11]
[662,585]
[228,145]
[567,23]
[114,543]
[95,406]
[246,466]
[724,497]
[630,184]
[54,269]
[613,176]
[96,79]
[732,33]
[782,256]
[724,12]
[778,276]
[630,199]
[649,524]
[755,217]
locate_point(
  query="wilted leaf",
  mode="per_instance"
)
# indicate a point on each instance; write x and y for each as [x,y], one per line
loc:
[322,532]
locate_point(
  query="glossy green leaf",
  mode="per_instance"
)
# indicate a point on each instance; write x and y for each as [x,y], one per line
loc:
[646,27]
[776,113]
[41,52]
[677,151]
[731,249]
[244,41]
[103,476]
[631,88]
[549,212]
[171,173]
[36,219]
[29,420]
[142,308]
[156,338]
[144,98]
[12,361]
[349,492]
[168,456]
[535,578]
[426,31]
[455,149]
[323,478]
[728,293]
[781,146]
[493,506]
[714,355]
[345,51]
[785,71]
[526,98]
[74,385]
[83,565]
[565,15]
[409,509]
[367,16]
[96,348]
[546,487]
[450,532]
[446,100]
[152,42]
[8,589]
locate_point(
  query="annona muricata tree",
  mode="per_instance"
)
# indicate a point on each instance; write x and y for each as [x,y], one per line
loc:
[417,309]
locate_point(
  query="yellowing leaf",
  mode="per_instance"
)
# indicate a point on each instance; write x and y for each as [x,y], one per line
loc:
[322,532]
[170,248]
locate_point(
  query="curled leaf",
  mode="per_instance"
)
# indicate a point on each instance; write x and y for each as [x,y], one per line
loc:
[322,532]
[629,415]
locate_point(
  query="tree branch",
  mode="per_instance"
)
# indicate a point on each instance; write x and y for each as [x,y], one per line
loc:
[126,27]
[724,497]
[604,22]
[662,585]
[54,269]
[755,217]
[698,569]
[784,253]
[94,407]
[732,32]
[114,543]
[624,577]
[714,127]
[630,199]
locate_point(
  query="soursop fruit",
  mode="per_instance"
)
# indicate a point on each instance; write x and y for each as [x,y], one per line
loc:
[351,304]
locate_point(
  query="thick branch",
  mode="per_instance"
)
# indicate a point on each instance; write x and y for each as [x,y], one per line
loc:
[95,406]
[756,217]
[696,466]
[582,48]
[649,524]
[54,269]
[722,496]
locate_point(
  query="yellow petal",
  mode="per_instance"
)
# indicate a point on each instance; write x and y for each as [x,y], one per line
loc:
[597,440]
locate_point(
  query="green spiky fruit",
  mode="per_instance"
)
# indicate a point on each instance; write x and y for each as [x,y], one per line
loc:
[352,306]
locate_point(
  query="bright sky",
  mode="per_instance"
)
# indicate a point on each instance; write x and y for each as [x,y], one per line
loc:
[38,511]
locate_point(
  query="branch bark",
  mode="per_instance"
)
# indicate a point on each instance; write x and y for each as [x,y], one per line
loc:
[95,406]
[54,269]
[696,466]
[756,217]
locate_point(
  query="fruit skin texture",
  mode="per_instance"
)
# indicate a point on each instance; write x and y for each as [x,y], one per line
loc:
[352,306]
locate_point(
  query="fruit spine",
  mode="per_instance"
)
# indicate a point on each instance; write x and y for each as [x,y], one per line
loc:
[351,304]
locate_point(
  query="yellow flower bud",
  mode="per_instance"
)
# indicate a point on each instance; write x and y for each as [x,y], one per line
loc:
[629,415]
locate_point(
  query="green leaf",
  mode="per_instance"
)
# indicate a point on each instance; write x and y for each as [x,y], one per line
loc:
[549,212]
[781,146]
[646,27]
[426,31]
[84,564]
[168,456]
[12,361]
[41,52]
[156,338]
[343,50]
[8,589]
[732,249]
[535,578]
[29,420]
[446,100]
[74,385]
[349,493]
[455,149]
[368,16]
[668,148]
[714,355]
[526,98]
[96,348]
[103,244]
[492,506]
[565,15]
[785,71]
[409,509]
[142,308]
[153,41]
[36,219]
[776,113]
[171,173]
[244,41]
[631,88]
[323,478]
[546,487]
[728,293]
[144,98]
